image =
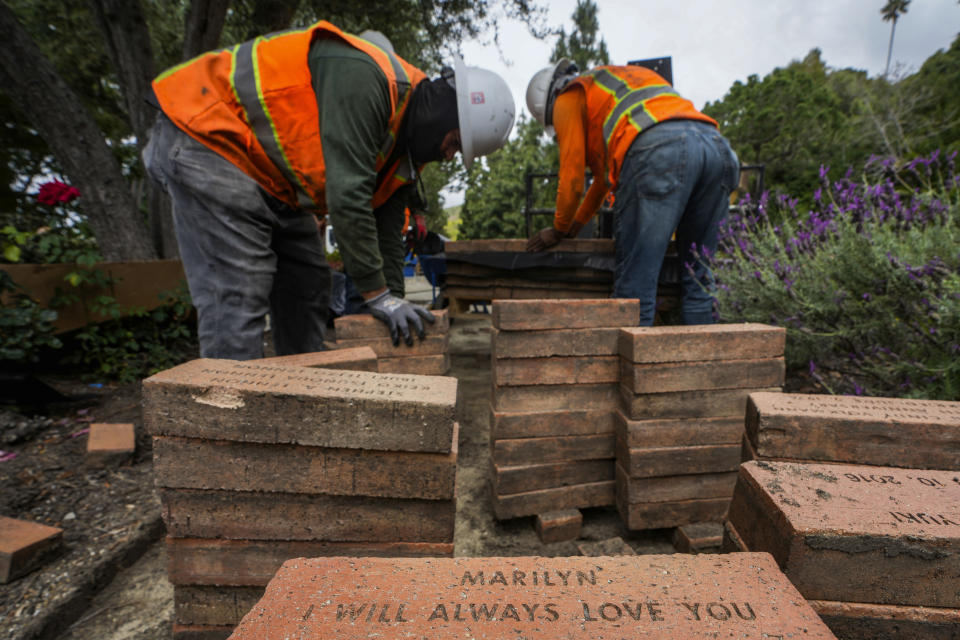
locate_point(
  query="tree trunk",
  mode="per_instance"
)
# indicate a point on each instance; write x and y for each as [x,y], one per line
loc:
[41,94]
[204,23]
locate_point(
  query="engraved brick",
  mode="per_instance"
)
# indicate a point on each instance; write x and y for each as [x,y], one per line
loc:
[24,546]
[254,562]
[720,403]
[532,450]
[879,431]
[110,444]
[245,401]
[676,432]
[419,365]
[269,516]
[535,598]
[201,632]
[696,343]
[692,376]
[663,461]
[658,515]
[191,463]
[556,397]
[615,546]
[520,478]
[580,370]
[549,423]
[527,315]
[698,537]
[855,533]
[675,488]
[558,526]
[364,325]
[577,496]
[597,341]
[355,359]
[858,621]
[384,347]
[213,605]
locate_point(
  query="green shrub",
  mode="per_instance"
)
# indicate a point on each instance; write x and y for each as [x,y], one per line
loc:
[26,328]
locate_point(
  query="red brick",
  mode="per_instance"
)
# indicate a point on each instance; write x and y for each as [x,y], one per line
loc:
[528,315]
[698,537]
[419,365]
[213,606]
[520,451]
[742,596]
[230,400]
[721,403]
[579,370]
[676,432]
[110,444]
[356,359]
[658,515]
[696,343]
[190,463]
[558,526]
[609,547]
[596,341]
[556,397]
[747,452]
[270,516]
[693,376]
[732,542]
[519,245]
[879,431]
[675,488]
[364,325]
[24,546]
[201,632]
[254,562]
[665,461]
[521,478]
[577,496]
[549,423]
[384,347]
[841,532]
[858,621]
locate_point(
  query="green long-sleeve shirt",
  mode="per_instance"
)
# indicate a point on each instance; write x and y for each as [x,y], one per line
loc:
[353,98]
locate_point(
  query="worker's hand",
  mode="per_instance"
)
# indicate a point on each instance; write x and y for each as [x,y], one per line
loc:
[543,240]
[420,227]
[399,315]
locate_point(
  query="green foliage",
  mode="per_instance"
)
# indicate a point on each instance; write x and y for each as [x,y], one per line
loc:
[26,328]
[867,282]
[581,45]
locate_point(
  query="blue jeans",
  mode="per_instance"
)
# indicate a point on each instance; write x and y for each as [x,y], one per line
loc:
[244,253]
[677,176]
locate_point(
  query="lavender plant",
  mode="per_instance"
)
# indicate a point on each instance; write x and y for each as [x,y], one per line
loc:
[867,282]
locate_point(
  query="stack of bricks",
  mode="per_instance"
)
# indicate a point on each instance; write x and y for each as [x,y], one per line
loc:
[678,434]
[259,463]
[891,432]
[555,371]
[876,550]
[427,357]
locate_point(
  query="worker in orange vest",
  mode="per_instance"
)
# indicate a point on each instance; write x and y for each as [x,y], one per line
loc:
[667,163]
[255,140]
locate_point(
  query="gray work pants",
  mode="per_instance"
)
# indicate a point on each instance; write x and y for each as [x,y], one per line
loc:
[244,253]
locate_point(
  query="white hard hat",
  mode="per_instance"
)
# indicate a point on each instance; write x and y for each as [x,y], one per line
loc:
[543,89]
[485,109]
[377,38]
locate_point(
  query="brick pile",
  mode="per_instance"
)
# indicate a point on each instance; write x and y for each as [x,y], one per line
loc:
[876,550]
[258,463]
[427,357]
[555,371]
[678,432]
[892,432]
[653,596]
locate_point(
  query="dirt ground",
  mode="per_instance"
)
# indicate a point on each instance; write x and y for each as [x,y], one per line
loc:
[110,582]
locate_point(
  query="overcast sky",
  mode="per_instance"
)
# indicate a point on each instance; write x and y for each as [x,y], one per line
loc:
[714,43]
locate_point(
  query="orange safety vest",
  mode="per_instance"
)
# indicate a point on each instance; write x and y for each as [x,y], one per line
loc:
[624,101]
[255,105]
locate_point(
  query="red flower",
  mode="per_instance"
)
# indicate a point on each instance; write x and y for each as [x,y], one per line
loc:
[56,192]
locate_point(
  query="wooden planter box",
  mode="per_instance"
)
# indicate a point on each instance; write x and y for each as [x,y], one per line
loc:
[135,284]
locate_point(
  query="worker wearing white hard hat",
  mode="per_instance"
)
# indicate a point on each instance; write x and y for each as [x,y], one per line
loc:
[255,140]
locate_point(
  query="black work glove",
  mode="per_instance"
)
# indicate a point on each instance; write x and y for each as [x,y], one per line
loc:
[398,315]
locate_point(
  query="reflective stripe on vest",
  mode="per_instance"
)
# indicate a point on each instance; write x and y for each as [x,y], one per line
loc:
[630,103]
